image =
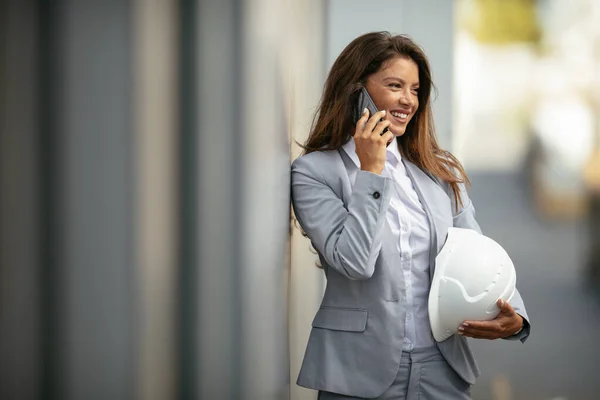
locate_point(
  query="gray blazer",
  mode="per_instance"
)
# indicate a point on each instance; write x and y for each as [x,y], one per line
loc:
[356,339]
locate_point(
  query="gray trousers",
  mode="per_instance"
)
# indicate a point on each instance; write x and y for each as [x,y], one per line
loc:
[423,374]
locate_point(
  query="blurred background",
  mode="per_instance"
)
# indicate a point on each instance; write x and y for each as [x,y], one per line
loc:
[147,249]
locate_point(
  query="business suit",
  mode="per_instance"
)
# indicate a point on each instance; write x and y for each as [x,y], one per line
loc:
[355,346]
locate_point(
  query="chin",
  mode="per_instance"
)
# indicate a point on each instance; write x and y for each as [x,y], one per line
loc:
[398,131]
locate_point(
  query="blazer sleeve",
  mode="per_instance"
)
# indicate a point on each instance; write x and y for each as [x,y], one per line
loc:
[465,218]
[349,239]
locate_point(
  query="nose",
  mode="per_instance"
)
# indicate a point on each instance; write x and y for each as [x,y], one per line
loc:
[406,99]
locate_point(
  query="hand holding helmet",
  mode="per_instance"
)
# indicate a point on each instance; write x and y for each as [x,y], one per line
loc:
[473,283]
[506,324]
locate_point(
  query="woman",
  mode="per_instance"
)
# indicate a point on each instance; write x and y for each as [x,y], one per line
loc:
[378,215]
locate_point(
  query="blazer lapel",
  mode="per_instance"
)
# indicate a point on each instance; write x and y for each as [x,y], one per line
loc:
[351,170]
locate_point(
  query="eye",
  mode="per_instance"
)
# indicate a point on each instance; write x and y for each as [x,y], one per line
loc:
[415,90]
[395,85]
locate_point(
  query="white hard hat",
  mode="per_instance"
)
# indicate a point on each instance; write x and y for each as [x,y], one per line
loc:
[472,272]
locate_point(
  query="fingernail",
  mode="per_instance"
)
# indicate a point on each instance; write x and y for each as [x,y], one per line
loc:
[501,302]
[365,110]
[465,324]
[383,113]
[460,333]
[461,328]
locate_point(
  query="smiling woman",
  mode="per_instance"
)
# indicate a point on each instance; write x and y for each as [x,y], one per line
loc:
[377,204]
[397,75]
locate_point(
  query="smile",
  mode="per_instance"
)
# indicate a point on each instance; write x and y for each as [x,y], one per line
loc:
[402,116]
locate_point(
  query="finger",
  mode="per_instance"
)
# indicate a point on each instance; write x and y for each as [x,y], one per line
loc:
[360,124]
[505,307]
[481,325]
[370,126]
[485,333]
[477,334]
[388,137]
[378,116]
[380,127]
[488,331]
[488,328]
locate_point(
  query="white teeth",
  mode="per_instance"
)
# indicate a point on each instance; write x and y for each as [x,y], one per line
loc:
[400,115]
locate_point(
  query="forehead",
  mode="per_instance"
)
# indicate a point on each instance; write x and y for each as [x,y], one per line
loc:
[400,67]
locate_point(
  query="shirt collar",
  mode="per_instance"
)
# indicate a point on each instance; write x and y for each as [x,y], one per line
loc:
[393,153]
[350,149]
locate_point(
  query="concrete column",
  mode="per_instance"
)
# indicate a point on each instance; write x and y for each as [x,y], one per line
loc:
[156,51]
[96,264]
[20,328]
[305,67]
[240,209]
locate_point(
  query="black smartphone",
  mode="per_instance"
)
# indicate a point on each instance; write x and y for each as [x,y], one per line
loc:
[365,101]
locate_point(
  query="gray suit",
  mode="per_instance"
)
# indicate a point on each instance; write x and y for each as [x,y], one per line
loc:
[356,341]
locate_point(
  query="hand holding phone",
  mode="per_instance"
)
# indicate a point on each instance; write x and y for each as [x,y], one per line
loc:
[371,141]
[365,101]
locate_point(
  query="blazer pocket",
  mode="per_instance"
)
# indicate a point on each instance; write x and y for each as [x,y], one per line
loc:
[341,319]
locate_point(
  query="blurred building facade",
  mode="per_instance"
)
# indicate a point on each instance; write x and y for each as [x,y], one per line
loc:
[147,248]
[144,230]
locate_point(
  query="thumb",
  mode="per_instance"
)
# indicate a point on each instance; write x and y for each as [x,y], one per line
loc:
[505,307]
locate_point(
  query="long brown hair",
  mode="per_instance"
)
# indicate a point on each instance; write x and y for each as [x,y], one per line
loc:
[333,124]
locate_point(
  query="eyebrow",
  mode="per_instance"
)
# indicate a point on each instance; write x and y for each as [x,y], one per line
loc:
[390,78]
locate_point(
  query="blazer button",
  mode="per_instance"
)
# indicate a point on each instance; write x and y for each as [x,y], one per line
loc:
[376,195]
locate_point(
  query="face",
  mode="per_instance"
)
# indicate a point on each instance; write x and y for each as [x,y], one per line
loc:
[395,88]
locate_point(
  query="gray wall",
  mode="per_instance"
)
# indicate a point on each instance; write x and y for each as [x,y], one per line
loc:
[242,164]
[20,315]
[95,255]
[80,151]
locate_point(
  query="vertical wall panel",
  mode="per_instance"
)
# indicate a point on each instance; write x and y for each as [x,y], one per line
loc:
[305,67]
[96,263]
[20,348]
[218,116]
[242,201]
[155,65]
[265,180]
